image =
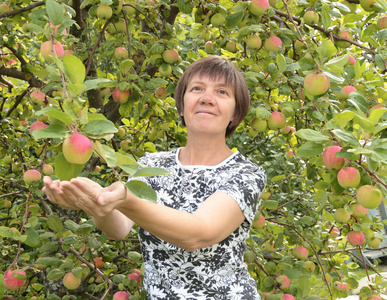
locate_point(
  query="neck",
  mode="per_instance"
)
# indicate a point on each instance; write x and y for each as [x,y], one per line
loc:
[207,152]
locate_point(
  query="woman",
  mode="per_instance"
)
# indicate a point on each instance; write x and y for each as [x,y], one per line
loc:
[194,238]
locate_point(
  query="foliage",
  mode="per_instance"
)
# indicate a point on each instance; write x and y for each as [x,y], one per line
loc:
[302,194]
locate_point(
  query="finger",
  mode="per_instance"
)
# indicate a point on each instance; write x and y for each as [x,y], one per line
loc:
[115,192]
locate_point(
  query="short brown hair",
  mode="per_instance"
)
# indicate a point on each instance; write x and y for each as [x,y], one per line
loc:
[216,67]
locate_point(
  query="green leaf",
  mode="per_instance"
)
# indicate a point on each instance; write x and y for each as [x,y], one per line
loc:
[306,220]
[346,137]
[343,118]
[33,239]
[64,170]
[376,114]
[327,49]
[141,190]
[130,169]
[124,159]
[96,83]
[303,286]
[155,82]
[359,101]
[310,149]
[126,65]
[76,89]
[71,225]
[93,242]
[148,171]
[54,12]
[55,274]
[270,204]
[364,123]
[51,131]
[326,16]
[84,229]
[54,223]
[311,135]
[338,61]
[74,69]
[184,6]
[278,178]
[100,127]
[51,261]
[233,19]
[6,232]
[281,62]
[109,155]
[57,114]
[262,113]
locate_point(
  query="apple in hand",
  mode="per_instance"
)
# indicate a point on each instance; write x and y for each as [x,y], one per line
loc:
[316,84]
[369,196]
[10,282]
[77,149]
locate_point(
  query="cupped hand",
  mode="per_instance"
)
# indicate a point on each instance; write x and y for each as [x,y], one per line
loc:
[54,193]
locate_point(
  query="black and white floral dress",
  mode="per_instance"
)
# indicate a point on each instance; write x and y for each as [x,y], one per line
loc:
[215,272]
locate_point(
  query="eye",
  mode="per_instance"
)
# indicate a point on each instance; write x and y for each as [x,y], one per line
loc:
[223,92]
[196,88]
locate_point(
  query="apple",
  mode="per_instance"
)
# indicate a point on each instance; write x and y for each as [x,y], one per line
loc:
[258,125]
[300,252]
[289,154]
[77,149]
[105,92]
[369,196]
[120,26]
[70,281]
[4,8]
[310,266]
[374,297]
[373,242]
[285,130]
[249,256]
[8,160]
[258,7]
[231,46]
[358,211]
[121,133]
[165,70]
[37,98]
[46,50]
[330,161]
[283,281]
[98,262]
[269,247]
[368,5]
[348,177]
[68,52]
[276,120]
[346,90]
[120,53]
[311,18]
[351,61]
[11,282]
[272,43]
[161,92]
[351,6]
[31,176]
[170,56]
[47,170]
[254,42]
[120,96]
[209,46]
[217,20]
[382,23]
[356,238]
[37,125]
[316,84]
[288,297]
[136,277]
[344,34]
[259,222]
[121,295]
[341,215]
[375,107]
[104,12]
[125,145]
[341,286]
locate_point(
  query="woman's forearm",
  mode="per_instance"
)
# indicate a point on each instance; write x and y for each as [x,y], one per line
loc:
[115,225]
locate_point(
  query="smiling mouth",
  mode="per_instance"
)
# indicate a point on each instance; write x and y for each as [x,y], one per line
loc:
[206,113]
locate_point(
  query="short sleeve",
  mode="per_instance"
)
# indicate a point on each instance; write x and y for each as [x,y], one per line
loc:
[246,189]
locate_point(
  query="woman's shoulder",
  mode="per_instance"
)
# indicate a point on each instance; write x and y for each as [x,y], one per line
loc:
[157,158]
[239,162]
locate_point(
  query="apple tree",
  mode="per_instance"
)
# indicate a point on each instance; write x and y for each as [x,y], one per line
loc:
[87,88]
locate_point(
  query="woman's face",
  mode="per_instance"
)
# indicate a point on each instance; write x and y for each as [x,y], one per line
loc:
[209,105]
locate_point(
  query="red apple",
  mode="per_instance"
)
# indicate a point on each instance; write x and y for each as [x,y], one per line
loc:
[269,247]
[344,34]
[288,297]
[341,286]
[348,177]
[330,161]
[346,90]
[121,295]
[374,297]
[276,120]
[46,50]
[98,262]
[351,61]
[120,53]
[31,176]
[37,98]
[68,52]
[70,281]
[382,23]
[259,222]
[37,125]
[47,170]
[10,282]
[289,154]
[231,46]
[356,238]
[316,84]
[258,7]
[375,107]
[283,281]
[170,56]
[300,252]
[4,8]
[369,196]
[311,18]
[120,96]
[209,46]
[161,92]
[136,277]
[358,211]
[105,92]
[272,43]
[77,149]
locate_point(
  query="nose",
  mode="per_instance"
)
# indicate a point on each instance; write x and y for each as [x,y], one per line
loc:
[207,98]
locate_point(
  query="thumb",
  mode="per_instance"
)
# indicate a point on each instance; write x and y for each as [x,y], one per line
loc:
[114,192]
